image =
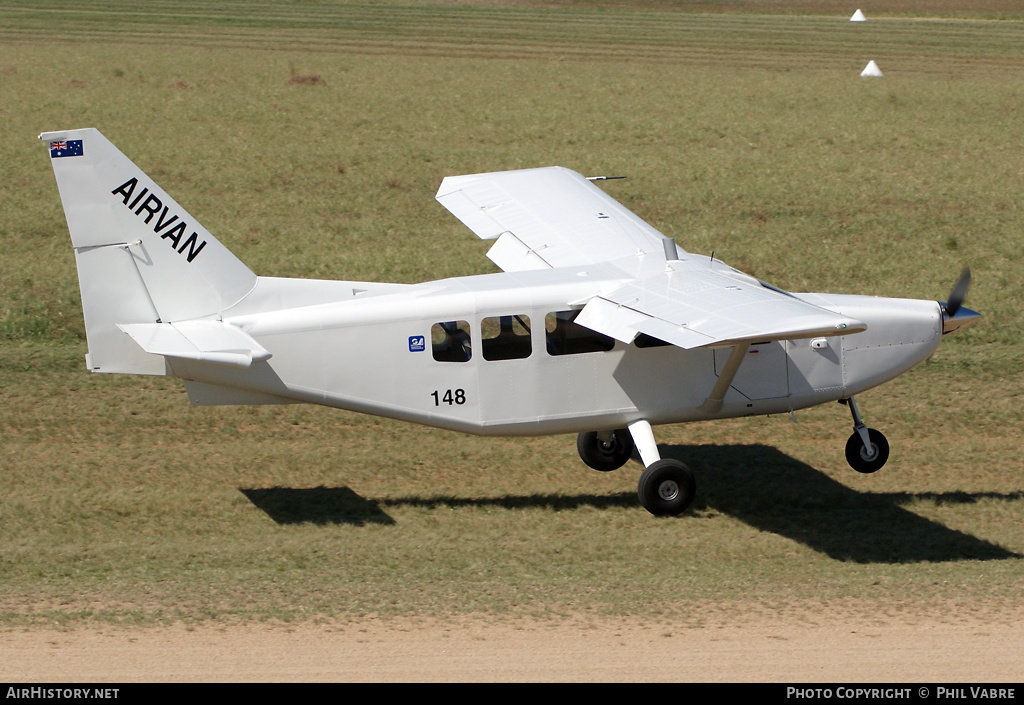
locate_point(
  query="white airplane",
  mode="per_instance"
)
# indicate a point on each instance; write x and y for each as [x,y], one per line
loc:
[598,325]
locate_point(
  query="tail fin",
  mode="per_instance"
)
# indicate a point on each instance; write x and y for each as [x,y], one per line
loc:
[141,257]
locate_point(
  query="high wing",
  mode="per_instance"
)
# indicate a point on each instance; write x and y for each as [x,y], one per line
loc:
[549,217]
[554,217]
[697,306]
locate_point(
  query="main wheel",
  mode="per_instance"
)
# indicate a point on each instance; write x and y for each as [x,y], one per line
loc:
[605,455]
[870,459]
[666,488]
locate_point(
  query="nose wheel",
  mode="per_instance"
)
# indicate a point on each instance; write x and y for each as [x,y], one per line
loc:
[867,450]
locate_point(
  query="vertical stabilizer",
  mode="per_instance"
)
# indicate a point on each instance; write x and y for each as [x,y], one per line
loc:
[141,257]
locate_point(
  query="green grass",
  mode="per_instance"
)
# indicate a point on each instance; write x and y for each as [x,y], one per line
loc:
[746,132]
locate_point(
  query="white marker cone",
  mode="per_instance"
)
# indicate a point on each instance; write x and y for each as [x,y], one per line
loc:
[858,16]
[871,70]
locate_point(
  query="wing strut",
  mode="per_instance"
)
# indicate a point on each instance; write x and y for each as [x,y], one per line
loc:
[713,404]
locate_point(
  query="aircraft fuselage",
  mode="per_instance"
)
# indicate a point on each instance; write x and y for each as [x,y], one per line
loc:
[523,368]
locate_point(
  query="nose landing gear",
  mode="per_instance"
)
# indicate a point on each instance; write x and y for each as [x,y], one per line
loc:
[866,450]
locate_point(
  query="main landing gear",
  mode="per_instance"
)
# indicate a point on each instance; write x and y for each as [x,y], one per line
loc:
[867,450]
[666,486]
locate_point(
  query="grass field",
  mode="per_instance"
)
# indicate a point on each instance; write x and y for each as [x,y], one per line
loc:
[310,138]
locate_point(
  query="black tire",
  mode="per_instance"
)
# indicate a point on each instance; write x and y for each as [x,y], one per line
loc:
[666,488]
[605,456]
[859,458]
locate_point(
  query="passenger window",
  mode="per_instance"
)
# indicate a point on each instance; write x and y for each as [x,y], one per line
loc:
[564,337]
[505,337]
[450,341]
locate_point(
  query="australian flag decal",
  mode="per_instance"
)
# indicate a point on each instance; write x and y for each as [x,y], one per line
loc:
[66,148]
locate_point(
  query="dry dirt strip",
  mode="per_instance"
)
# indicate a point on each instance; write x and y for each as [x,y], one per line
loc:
[841,650]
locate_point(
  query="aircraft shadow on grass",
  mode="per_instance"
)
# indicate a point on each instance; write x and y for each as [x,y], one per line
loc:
[756,484]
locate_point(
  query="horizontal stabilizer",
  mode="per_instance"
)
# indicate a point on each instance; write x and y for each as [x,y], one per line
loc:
[203,341]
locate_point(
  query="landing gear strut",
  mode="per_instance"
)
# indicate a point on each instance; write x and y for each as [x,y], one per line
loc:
[867,450]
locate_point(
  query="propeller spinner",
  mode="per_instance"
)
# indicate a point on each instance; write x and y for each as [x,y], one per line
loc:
[954,315]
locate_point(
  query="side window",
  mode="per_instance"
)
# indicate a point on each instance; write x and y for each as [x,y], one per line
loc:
[505,337]
[450,341]
[567,338]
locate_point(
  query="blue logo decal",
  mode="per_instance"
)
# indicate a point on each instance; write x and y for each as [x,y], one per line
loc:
[417,343]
